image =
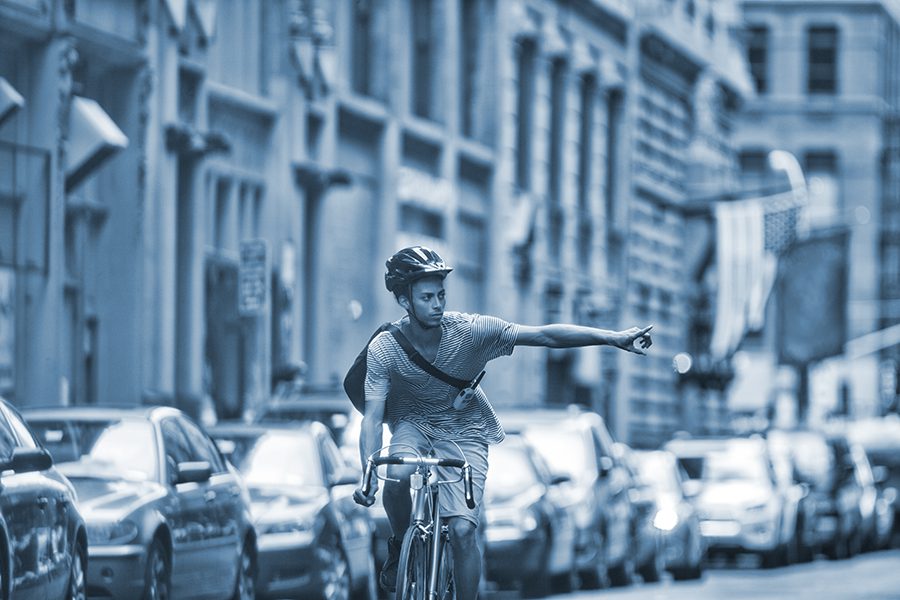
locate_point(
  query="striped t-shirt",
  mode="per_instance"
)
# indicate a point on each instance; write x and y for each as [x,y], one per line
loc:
[468,342]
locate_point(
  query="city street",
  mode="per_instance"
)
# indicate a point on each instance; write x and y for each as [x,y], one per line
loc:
[868,576]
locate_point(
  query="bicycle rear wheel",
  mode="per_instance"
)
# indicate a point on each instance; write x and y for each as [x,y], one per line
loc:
[412,570]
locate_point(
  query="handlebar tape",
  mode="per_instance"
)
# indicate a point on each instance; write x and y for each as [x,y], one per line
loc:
[467,481]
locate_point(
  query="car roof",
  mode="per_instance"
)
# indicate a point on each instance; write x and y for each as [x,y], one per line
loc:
[699,446]
[242,429]
[98,412]
[519,417]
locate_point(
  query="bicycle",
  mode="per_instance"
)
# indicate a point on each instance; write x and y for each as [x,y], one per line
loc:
[425,569]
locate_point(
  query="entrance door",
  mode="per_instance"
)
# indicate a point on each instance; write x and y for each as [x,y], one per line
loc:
[224,338]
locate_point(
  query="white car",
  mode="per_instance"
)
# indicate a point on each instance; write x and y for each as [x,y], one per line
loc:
[741,506]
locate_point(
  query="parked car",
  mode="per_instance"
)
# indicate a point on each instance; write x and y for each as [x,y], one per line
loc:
[826,464]
[529,536]
[880,438]
[576,444]
[43,540]
[167,517]
[801,505]
[314,540]
[647,555]
[741,508]
[676,520]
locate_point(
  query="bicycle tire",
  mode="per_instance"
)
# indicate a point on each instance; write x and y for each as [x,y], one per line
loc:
[445,586]
[412,568]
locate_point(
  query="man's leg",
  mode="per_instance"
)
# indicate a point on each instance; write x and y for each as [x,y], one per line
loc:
[466,557]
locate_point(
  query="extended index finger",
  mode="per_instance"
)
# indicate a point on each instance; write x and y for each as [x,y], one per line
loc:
[645,330]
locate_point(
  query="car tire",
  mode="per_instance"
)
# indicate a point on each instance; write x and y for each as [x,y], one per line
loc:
[622,574]
[245,582]
[77,578]
[158,577]
[336,583]
[651,571]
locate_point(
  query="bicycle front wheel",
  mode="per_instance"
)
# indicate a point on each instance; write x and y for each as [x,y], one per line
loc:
[412,570]
[444,586]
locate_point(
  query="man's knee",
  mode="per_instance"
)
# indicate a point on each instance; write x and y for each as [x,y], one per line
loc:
[463,531]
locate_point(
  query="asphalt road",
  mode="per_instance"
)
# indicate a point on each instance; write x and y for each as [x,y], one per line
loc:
[873,576]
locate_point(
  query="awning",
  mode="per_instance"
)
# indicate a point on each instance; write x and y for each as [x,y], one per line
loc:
[93,138]
[10,100]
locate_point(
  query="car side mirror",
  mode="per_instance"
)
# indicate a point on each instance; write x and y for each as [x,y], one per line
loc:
[692,488]
[29,460]
[560,478]
[606,465]
[193,472]
[880,474]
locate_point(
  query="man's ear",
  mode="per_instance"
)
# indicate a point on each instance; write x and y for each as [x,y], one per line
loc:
[403,301]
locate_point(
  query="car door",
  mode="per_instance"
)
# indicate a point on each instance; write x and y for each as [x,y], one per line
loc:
[614,484]
[223,511]
[192,564]
[26,514]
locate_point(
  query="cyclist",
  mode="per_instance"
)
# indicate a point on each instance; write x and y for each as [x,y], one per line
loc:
[421,411]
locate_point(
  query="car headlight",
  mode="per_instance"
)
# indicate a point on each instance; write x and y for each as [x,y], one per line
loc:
[112,533]
[665,519]
[523,521]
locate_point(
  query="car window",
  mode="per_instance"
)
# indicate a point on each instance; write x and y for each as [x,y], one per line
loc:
[177,447]
[20,430]
[201,447]
[565,450]
[278,458]
[7,439]
[510,473]
[333,459]
[115,448]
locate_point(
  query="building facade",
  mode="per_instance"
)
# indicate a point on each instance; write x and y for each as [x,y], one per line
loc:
[839,120]
[250,166]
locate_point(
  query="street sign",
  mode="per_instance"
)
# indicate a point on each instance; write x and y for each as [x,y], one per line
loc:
[253,280]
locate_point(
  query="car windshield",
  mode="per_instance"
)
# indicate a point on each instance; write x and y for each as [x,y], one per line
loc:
[658,472]
[564,452]
[510,473]
[735,466]
[118,448]
[277,458]
[813,459]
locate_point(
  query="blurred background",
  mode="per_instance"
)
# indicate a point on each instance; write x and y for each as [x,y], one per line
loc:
[197,198]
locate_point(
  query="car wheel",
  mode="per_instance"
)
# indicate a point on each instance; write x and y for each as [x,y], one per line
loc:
[77,585]
[621,574]
[245,585]
[651,571]
[336,576]
[158,577]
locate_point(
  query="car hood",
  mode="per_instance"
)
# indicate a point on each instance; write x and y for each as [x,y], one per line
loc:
[105,499]
[275,504]
[733,493]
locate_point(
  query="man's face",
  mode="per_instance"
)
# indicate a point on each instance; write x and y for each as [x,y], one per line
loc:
[428,300]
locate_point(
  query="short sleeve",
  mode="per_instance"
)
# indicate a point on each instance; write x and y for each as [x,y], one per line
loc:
[378,379]
[494,336]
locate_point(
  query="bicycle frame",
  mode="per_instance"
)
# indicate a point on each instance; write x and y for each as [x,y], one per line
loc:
[425,518]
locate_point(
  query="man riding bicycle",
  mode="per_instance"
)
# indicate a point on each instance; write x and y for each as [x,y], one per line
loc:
[426,412]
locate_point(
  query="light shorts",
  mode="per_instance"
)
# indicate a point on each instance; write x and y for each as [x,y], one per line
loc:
[453,495]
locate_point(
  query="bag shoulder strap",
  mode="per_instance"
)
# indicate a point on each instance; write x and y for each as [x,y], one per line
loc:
[423,364]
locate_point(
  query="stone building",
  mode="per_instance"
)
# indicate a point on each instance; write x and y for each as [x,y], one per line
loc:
[828,91]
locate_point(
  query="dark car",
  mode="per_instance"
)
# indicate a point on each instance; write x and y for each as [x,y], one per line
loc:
[880,438]
[676,518]
[529,537]
[648,556]
[576,444]
[826,464]
[167,517]
[43,540]
[313,538]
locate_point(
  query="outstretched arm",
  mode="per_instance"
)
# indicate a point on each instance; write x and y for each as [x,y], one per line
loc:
[562,335]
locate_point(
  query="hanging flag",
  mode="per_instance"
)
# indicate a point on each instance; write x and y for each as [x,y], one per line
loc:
[750,236]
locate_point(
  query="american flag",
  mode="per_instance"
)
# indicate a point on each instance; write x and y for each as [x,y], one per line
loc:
[751,235]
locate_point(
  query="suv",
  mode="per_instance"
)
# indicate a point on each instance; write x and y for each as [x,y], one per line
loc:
[576,444]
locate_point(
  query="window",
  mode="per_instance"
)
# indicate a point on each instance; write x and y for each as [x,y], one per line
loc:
[470,32]
[423,58]
[524,112]
[613,123]
[558,76]
[202,448]
[758,56]
[822,50]
[361,48]
[823,206]
[754,169]
[585,155]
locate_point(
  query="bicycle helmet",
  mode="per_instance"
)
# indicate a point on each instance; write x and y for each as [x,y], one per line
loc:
[411,264]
